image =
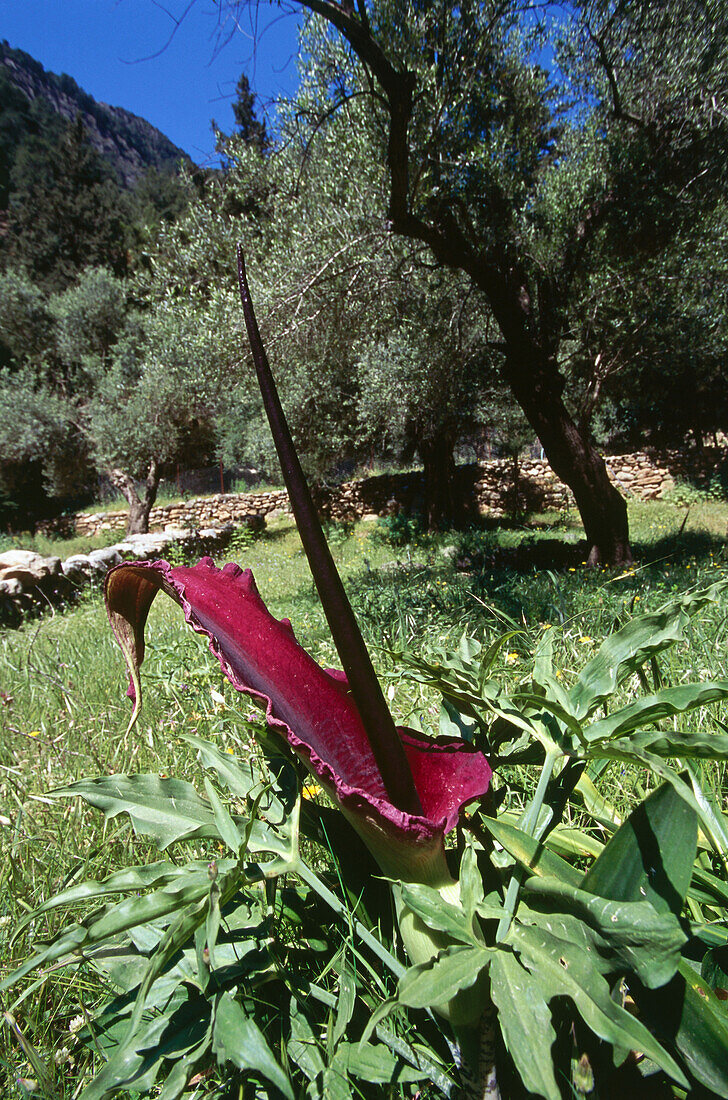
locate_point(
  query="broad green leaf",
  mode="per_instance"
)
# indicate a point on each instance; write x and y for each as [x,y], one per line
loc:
[240,778]
[530,853]
[564,970]
[555,710]
[667,743]
[573,842]
[420,1057]
[237,1038]
[336,1080]
[221,890]
[166,809]
[119,882]
[594,802]
[438,913]
[512,716]
[436,982]
[664,704]
[471,882]
[650,858]
[452,723]
[106,924]
[181,1028]
[226,827]
[644,940]
[629,648]
[344,1004]
[716,829]
[688,1014]
[377,1064]
[524,1018]
[302,1044]
[543,657]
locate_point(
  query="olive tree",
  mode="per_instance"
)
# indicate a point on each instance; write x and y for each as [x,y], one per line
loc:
[510,173]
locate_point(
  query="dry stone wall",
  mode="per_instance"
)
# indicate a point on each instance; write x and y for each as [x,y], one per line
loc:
[495,488]
[211,511]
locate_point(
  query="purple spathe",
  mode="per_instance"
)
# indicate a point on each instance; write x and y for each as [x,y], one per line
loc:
[309,706]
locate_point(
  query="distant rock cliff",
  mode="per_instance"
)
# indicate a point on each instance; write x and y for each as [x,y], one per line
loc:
[129,143]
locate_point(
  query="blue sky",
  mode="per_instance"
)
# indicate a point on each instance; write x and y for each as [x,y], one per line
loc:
[124,52]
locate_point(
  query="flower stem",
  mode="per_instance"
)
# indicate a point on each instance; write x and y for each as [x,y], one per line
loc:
[363,683]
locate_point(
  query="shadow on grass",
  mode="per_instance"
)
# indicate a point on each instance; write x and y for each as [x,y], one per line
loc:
[679,548]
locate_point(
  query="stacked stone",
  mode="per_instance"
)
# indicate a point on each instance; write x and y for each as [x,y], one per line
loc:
[238,508]
[492,484]
[639,475]
[30,582]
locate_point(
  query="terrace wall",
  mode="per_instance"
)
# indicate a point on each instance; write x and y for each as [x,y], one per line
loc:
[495,488]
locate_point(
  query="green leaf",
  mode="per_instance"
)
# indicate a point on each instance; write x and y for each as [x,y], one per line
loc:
[166,809]
[106,924]
[573,842]
[183,1027]
[530,853]
[376,1063]
[241,778]
[543,657]
[629,648]
[226,827]
[421,1057]
[471,882]
[438,913]
[344,1003]
[237,1038]
[336,1080]
[637,935]
[651,856]
[665,704]
[437,981]
[118,882]
[688,1014]
[562,969]
[302,1045]
[524,1018]
[594,802]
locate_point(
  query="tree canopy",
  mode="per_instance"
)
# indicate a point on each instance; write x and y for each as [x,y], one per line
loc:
[516,172]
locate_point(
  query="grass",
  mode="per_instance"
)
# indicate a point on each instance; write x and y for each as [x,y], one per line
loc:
[50,546]
[63,710]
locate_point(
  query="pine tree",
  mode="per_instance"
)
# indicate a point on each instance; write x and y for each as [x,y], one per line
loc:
[65,210]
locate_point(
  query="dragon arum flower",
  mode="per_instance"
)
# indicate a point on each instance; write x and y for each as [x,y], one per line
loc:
[400,791]
[310,707]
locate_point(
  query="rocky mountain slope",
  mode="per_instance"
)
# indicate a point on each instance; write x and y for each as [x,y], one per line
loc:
[129,143]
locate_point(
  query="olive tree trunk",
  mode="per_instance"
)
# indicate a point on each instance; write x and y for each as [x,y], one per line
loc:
[139,506]
[442,504]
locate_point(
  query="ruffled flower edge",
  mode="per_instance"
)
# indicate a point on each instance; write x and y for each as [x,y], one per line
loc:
[451,765]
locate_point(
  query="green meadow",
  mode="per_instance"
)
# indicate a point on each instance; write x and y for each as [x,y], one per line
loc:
[64,714]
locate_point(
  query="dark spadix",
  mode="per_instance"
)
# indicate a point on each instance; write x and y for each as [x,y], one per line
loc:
[363,683]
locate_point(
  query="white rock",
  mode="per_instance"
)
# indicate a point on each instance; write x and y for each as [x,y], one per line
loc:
[106,557]
[11,588]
